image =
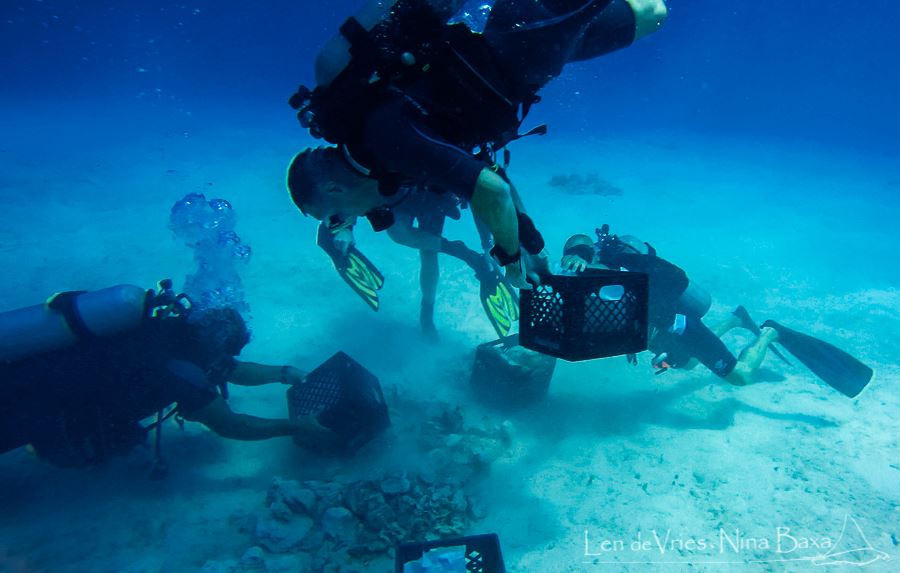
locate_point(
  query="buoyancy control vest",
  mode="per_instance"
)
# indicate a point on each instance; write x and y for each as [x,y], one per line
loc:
[448,70]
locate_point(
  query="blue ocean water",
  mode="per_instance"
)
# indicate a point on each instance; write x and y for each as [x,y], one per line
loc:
[801,70]
[755,144]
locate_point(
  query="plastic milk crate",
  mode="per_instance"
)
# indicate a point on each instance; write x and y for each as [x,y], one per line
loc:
[473,554]
[595,314]
[344,397]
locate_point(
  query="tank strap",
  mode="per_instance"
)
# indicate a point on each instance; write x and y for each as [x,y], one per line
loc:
[65,303]
[357,35]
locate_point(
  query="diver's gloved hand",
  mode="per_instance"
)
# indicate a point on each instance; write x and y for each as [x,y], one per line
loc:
[344,239]
[573,263]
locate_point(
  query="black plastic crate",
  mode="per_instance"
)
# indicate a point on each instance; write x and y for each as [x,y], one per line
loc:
[344,397]
[482,552]
[595,314]
[505,374]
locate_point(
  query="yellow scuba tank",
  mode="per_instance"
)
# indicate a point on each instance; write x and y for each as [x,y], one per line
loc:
[70,316]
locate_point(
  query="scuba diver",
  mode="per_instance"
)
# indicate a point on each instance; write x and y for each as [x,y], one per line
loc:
[80,372]
[419,224]
[679,338]
[409,100]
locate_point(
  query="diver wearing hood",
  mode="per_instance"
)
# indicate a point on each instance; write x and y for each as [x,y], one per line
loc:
[82,401]
[410,100]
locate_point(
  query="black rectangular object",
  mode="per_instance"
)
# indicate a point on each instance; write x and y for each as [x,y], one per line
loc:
[483,554]
[344,397]
[505,374]
[575,318]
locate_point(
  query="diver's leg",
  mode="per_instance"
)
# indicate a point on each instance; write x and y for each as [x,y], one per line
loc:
[429,273]
[707,348]
[739,318]
[403,232]
[722,328]
[752,357]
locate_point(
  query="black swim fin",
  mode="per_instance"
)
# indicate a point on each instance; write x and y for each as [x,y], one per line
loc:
[499,300]
[354,267]
[835,367]
[748,323]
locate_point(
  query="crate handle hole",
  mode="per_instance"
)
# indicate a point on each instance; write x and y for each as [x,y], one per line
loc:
[612,292]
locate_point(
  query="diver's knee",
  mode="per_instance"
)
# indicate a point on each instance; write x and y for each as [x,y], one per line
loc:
[738,376]
[649,16]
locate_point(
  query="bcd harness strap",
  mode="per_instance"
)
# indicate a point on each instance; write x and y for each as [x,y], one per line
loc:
[454,61]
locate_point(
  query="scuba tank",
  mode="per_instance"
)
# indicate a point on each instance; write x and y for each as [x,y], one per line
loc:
[69,317]
[693,301]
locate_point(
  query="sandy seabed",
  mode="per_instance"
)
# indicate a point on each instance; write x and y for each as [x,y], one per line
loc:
[617,470]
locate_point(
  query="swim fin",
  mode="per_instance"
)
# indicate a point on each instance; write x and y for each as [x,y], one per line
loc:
[748,323]
[499,300]
[835,367]
[354,267]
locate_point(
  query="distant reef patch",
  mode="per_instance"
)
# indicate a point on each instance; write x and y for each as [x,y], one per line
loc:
[584,184]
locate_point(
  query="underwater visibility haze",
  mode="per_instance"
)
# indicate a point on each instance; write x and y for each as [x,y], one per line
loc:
[748,149]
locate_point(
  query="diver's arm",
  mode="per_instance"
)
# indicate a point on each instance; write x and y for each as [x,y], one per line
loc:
[255,374]
[619,25]
[219,418]
[492,203]
[576,264]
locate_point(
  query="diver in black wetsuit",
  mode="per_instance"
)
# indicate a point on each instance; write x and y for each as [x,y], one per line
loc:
[82,404]
[678,336]
[425,103]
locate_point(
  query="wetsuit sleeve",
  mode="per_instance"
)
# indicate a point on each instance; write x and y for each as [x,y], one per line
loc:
[189,385]
[612,29]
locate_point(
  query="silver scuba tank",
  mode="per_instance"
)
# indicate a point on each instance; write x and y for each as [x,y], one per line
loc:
[44,327]
[694,301]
